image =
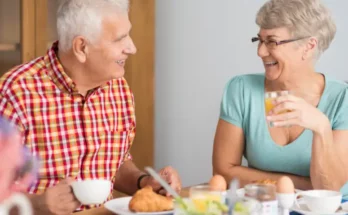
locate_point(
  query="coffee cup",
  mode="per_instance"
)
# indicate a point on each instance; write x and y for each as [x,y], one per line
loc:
[92,191]
[320,201]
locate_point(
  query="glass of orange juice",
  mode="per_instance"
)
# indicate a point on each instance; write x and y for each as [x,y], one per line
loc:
[202,195]
[270,97]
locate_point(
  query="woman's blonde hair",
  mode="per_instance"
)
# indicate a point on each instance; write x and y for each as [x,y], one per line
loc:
[302,18]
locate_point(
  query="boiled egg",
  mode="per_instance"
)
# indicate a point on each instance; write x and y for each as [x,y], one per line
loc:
[217,182]
[285,185]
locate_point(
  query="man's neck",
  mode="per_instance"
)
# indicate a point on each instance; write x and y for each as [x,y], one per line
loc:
[76,72]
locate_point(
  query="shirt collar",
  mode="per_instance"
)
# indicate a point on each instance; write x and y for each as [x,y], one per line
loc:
[56,71]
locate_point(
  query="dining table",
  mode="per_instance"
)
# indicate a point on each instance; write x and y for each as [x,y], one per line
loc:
[103,211]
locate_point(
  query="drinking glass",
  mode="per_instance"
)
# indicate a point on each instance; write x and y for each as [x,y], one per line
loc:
[269,101]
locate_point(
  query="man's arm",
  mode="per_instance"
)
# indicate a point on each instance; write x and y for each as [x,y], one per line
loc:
[46,203]
[127,177]
[128,174]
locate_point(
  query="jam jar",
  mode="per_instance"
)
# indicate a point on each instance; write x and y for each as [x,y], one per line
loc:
[266,195]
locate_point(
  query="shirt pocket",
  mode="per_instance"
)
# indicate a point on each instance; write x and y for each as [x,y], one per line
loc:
[113,149]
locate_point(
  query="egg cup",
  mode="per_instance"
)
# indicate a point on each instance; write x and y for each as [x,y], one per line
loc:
[285,201]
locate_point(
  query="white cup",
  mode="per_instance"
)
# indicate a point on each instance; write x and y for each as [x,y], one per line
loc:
[320,201]
[16,200]
[90,192]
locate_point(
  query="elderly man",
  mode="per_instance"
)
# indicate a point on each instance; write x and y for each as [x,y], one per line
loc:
[76,110]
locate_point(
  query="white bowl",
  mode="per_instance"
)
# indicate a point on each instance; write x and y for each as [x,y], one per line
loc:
[90,192]
[321,201]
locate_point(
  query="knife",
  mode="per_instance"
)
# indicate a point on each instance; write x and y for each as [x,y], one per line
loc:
[162,182]
[166,186]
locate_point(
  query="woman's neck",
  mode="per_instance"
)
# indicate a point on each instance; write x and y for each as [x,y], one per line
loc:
[306,84]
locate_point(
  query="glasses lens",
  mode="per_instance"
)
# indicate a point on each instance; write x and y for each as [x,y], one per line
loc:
[271,44]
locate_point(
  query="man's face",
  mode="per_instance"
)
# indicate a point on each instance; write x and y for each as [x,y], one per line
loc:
[107,56]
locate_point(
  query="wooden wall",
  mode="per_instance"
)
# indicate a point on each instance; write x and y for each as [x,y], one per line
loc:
[140,75]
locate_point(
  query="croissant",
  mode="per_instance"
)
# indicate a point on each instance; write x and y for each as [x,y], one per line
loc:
[146,200]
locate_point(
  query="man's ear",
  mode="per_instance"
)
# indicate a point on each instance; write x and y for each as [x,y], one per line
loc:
[310,48]
[80,48]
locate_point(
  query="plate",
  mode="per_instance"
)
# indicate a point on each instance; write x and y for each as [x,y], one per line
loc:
[120,206]
[305,211]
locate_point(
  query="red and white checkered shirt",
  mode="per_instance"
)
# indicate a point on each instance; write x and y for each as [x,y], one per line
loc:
[76,136]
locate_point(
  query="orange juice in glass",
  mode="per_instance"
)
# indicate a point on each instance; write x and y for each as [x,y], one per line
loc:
[201,195]
[270,97]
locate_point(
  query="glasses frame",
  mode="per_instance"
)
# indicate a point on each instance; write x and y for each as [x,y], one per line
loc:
[277,43]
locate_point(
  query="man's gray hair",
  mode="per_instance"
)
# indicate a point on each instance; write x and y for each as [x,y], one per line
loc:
[302,18]
[84,18]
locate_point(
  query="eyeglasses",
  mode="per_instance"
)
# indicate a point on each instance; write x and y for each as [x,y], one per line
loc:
[272,44]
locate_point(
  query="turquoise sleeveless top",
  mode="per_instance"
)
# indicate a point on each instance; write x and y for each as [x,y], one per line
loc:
[243,106]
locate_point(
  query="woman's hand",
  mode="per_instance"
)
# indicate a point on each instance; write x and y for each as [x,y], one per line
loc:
[291,110]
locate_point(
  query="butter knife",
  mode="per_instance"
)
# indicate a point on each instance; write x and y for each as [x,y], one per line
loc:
[166,186]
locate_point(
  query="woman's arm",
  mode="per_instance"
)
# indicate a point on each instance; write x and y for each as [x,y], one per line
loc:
[227,158]
[329,157]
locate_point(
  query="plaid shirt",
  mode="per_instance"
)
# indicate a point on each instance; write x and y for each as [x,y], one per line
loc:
[81,137]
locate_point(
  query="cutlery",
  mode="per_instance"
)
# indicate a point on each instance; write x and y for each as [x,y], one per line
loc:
[166,186]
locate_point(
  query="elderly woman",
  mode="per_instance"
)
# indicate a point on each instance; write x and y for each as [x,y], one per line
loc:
[308,137]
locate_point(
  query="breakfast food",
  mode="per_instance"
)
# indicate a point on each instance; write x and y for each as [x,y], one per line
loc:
[217,182]
[285,185]
[146,200]
[266,181]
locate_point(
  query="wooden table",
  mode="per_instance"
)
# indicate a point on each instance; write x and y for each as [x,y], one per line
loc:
[102,211]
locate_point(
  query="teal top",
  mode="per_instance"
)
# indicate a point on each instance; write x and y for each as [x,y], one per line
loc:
[243,106]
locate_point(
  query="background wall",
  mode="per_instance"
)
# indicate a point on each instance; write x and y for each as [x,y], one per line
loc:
[200,45]
[9,33]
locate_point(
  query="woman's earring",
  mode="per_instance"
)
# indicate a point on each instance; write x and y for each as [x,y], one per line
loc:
[304,56]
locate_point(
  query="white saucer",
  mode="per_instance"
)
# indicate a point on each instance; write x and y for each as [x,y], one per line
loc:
[305,211]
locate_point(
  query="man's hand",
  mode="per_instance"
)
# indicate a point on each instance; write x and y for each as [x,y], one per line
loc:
[57,200]
[170,175]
